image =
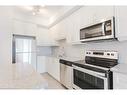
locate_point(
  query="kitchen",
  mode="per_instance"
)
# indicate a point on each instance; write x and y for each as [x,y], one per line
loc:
[57,37]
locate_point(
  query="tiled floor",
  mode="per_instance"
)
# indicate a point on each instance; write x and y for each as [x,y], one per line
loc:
[52,83]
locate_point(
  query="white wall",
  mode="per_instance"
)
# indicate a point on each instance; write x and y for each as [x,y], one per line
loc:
[5,40]
[5,35]
[7,15]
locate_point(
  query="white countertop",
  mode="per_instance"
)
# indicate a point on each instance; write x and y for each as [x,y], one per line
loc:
[21,76]
[120,68]
[70,58]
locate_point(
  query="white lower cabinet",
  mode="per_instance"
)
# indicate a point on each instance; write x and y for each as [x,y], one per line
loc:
[50,65]
[41,64]
[53,67]
[56,69]
[66,75]
[119,80]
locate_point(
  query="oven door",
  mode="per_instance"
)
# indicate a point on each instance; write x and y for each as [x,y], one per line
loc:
[88,79]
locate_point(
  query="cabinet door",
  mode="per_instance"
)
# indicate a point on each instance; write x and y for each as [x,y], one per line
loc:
[121,22]
[43,37]
[49,65]
[69,29]
[59,30]
[87,18]
[53,67]
[62,74]
[75,31]
[56,70]
[68,77]
[41,64]
[62,30]
[119,81]
[102,12]
[53,36]
[54,32]
[92,14]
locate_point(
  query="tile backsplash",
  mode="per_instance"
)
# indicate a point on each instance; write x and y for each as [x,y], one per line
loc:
[120,47]
[78,51]
[44,51]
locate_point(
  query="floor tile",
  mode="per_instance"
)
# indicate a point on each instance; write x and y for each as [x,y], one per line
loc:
[52,83]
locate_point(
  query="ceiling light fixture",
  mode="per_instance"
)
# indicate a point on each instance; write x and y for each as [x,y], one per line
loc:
[36,9]
[34,13]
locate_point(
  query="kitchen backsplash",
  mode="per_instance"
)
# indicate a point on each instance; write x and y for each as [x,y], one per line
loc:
[69,51]
[44,51]
[77,51]
[121,47]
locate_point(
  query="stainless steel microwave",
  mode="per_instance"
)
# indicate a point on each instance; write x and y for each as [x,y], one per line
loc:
[99,31]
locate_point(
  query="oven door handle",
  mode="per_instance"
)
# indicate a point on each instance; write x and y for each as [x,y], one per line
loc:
[97,74]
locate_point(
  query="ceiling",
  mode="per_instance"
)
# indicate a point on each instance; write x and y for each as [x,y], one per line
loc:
[45,11]
[49,14]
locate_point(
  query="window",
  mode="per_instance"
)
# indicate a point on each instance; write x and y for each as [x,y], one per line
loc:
[24,50]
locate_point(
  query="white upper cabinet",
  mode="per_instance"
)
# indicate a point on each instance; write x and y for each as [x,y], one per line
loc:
[62,30]
[59,30]
[23,28]
[69,27]
[54,32]
[73,28]
[103,12]
[44,37]
[86,16]
[93,14]
[121,22]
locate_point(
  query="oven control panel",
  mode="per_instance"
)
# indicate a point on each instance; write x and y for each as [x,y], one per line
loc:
[102,54]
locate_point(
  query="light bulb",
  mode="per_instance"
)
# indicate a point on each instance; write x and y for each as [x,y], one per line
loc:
[34,13]
[42,5]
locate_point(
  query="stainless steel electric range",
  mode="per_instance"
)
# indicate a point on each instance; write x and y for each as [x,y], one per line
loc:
[94,72]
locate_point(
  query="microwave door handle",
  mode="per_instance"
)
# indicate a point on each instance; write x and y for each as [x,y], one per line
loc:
[103,28]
